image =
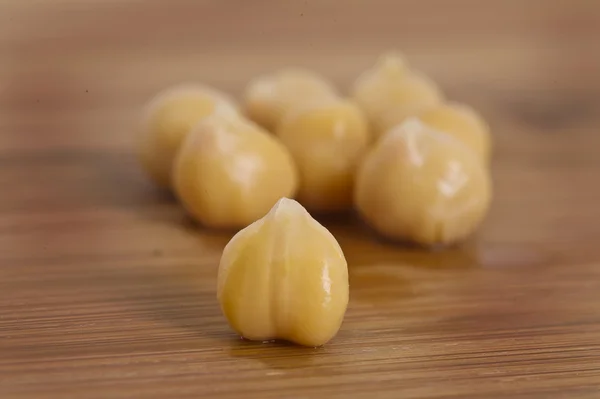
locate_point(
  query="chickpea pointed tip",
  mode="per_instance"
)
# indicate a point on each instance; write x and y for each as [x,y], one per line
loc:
[284,277]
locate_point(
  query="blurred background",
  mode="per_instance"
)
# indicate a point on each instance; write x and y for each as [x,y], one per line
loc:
[78,69]
[74,74]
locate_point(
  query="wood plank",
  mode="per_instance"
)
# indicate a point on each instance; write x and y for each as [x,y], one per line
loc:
[108,291]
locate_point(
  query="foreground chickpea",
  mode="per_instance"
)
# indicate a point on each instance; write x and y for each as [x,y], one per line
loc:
[422,186]
[390,92]
[269,97]
[284,277]
[327,140]
[229,172]
[463,123]
[168,118]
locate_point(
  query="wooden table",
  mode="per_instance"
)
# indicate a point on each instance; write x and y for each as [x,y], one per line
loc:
[107,291]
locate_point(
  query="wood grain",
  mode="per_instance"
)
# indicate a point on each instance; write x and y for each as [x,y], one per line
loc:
[107,291]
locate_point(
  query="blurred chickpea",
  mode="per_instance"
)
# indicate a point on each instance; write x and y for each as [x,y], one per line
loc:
[167,120]
[267,98]
[229,172]
[422,186]
[390,92]
[462,122]
[327,139]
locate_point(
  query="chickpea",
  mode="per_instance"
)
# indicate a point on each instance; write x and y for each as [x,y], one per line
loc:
[390,92]
[229,172]
[327,140]
[168,118]
[267,98]
[284,277]
[462,122]
[422,186]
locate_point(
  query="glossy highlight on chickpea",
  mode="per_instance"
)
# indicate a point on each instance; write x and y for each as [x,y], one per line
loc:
[422,186]
[284,277]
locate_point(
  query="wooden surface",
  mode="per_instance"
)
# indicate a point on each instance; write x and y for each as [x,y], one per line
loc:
[106,291]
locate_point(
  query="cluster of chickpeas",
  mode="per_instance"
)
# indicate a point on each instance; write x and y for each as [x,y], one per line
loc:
[412,164]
